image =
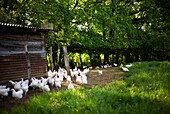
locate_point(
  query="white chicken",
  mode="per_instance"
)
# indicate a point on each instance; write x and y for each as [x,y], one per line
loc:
[90,67]
[51,81]
[128,66]
[41,84]
[2,86]
[17,94]
[68,78]
[46,88]
[73,73]
[4,91]
[60,74]
[44,80]
[85,71]
[115,64]
[75,69]
[51,74]
[24,85]
[34,82]
[105,66]
[25,82]
[125,69]
[57,81]
[84,79]
[25,88]
[100,72]
[17,85]
[57,78]
[97,67]
[84,67]
[65,74]
[70,86]
[79,79]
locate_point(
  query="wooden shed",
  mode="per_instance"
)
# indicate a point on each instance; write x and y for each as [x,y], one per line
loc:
[22,52]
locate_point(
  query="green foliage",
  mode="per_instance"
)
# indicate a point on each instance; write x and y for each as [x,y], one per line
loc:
[107,25]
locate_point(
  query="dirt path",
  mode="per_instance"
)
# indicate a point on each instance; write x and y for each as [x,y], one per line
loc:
[109,74]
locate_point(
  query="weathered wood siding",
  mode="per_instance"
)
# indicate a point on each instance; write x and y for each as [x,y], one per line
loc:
[12,67]
[22,54]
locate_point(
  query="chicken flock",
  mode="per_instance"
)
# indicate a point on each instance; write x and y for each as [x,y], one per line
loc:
[54,79]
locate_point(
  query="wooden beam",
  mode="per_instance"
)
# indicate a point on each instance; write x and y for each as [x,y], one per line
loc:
[21,52]
[66,59]
[43,41]
[51,58]
[28,62]
[9,43]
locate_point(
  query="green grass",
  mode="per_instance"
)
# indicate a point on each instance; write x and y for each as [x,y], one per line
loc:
[144,90]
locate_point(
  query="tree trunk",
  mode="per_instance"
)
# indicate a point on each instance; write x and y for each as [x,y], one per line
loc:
[90,55]
[51,58]
[66,59]
[106,58]
[81,63]
[99,59]
[117,57]
[127,56]
[60,57]
[136,52]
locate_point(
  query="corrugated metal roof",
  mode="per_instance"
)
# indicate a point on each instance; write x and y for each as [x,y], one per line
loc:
[43,26]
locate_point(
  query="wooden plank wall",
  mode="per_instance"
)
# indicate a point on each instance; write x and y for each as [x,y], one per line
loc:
[14,55]
[38,65]
[12,67]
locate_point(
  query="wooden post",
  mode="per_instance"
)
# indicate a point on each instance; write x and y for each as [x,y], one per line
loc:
[66,59]
[43,41]
[51,58]
[28,61]
[81,62]
[43,45]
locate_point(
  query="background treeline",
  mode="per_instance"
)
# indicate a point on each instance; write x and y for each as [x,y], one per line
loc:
[97,31]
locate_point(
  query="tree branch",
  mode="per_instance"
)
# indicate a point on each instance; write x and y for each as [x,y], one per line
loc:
[75,4]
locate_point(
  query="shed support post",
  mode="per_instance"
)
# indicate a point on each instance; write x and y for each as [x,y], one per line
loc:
[43,41]
[51,58]
[66,59]
[28,61]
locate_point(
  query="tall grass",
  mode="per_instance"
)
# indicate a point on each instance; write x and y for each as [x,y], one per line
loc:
[144,90]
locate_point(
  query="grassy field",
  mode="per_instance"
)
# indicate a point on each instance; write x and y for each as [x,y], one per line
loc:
[144,90]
